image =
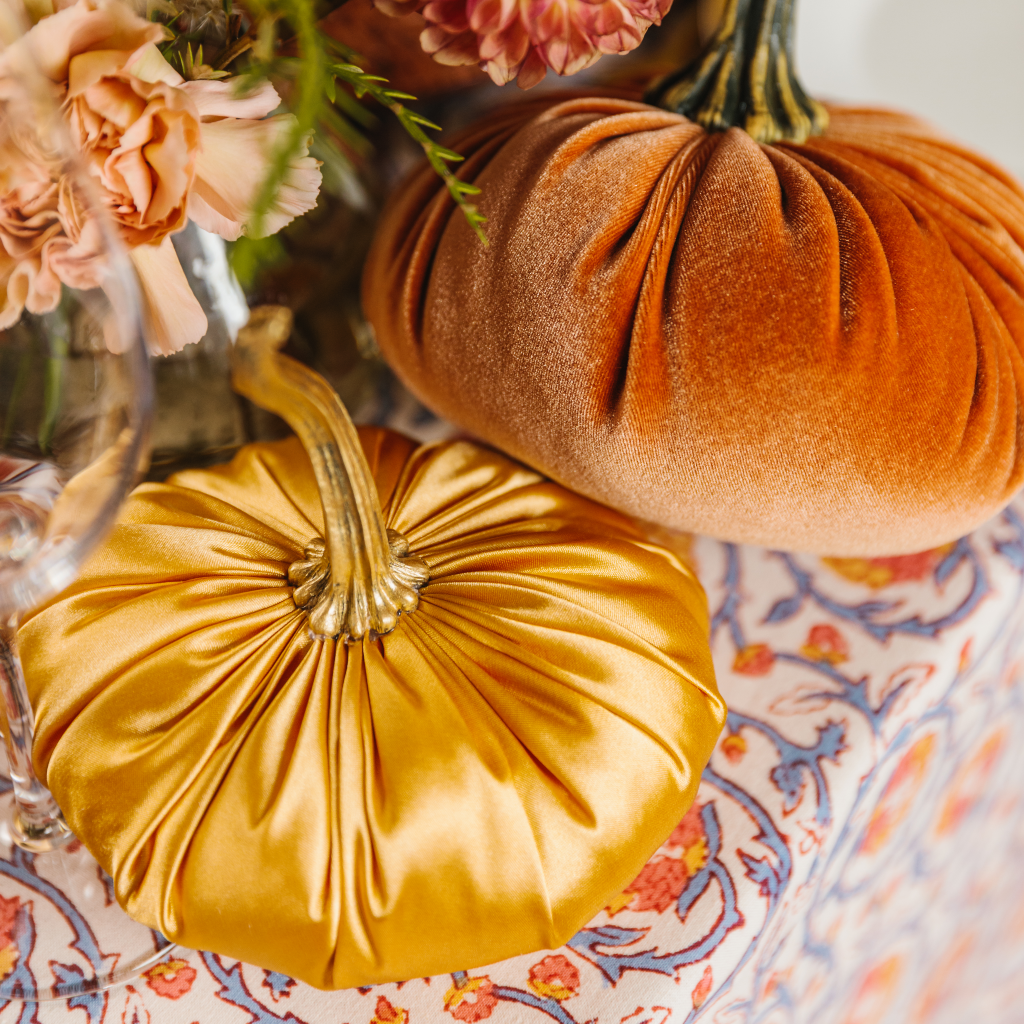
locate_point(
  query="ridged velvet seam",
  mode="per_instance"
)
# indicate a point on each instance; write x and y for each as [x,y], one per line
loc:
[814,347]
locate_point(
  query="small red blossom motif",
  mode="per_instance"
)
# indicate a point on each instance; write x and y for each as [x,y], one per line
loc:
[690,830]
[702,989]
[826,643]
[899,795]
[9,953]
[876,992]
[555,977]
[171,979]
[8,919]
[472,1001]
[881,572]
[659,885]
[734,747]
[756,660]
[387,1013]
[971,784]
[663,879]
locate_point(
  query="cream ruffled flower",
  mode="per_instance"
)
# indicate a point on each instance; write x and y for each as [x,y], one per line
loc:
[523,38]
[162,151]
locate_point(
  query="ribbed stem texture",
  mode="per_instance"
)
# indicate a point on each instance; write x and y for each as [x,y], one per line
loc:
[359,578]
[745,78]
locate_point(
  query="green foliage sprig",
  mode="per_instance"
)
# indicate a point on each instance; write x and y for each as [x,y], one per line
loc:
[306,99]
[322,85]
[438,156]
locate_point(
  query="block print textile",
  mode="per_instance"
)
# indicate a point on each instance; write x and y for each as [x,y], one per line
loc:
[852,858]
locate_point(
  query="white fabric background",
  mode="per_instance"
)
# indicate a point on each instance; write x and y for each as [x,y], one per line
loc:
[960,63]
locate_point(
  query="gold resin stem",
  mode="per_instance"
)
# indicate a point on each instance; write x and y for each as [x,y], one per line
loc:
[360,577]
[746,78]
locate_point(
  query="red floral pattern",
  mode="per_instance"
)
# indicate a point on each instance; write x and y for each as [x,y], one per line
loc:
[555,977]
[733,746]
[663,879]
[755,660]
[852,857]
[10,911]
[899,795]
[702,989]
[472,1000]
[826,643]
[171,979]
[387,1013]
[883,572]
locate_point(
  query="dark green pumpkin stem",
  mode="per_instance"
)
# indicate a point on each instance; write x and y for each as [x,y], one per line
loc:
[745,78]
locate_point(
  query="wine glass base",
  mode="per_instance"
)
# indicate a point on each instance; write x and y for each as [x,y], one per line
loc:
[56,835]
[62,934]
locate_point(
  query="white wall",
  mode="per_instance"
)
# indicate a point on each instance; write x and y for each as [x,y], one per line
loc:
[960,63]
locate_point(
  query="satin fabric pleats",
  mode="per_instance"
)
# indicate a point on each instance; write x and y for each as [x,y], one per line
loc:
[476,784]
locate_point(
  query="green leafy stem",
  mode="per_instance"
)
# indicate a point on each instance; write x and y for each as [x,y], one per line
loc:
[438,156]
[305,103]
[321,64]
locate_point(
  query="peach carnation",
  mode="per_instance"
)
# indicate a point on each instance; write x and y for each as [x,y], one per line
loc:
[28,222]
[162,151]
[523,38]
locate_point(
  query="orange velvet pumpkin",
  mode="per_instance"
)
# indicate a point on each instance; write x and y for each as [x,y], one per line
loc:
[813,344]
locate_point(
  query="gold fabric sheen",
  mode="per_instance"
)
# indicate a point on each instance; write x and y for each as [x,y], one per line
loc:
[474,785]
[814,347]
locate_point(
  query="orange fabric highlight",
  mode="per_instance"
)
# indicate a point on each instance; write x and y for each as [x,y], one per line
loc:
[814,347]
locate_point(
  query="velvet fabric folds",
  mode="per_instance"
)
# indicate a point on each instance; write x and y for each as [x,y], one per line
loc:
[474,785]
[814,347]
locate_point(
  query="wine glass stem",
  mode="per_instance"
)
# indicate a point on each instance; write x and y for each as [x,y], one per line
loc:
[38,822]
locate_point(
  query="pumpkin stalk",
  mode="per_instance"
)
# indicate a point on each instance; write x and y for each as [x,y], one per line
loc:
[745,78]
[359,578]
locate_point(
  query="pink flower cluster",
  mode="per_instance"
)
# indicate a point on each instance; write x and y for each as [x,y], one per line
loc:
[521,39]
[159,151]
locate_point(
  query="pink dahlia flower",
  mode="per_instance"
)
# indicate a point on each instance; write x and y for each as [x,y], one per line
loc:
[523,38]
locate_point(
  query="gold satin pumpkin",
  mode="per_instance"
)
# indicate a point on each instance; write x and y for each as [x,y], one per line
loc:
[476,784]
[812,346]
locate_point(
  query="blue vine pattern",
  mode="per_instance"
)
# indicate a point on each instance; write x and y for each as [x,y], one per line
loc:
[752,874]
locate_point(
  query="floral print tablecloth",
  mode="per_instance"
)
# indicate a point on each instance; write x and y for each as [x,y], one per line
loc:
[852,858]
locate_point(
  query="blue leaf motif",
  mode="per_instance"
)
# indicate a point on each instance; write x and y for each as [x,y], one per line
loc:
[785,609]
[278,983]
[233,990]
[950,563]
[70,978]
[868,608]
[789,779]
[763,873]
[1012,551]
[832,741]
[606,935]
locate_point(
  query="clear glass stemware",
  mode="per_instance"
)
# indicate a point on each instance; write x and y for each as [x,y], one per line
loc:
[75,409]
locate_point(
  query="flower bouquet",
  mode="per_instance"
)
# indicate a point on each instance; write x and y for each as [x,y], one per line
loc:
[447,577]
[205,111]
